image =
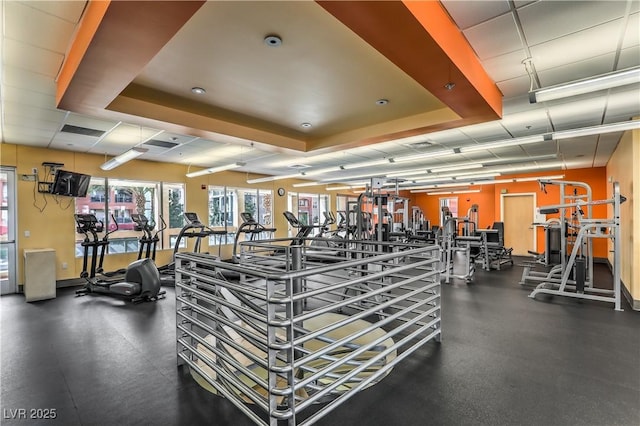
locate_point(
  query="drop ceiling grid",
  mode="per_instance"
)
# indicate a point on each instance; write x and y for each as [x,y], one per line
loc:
[545,21]
[80,143]
[70,11]
[536,119]
[469,13]
[496,37]
[18,96]
[36,28]
[586,44]
[577,70]
[32,58]
[563,114]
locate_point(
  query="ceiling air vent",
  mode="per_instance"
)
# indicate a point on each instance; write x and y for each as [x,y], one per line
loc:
[68,128]
[161,144]
[420,145]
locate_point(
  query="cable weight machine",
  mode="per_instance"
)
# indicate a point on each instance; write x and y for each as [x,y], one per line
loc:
[580,261]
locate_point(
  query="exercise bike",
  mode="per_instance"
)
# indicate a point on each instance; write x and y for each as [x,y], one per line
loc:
[141,280]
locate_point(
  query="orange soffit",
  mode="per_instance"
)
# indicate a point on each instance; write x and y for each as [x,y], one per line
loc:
[445,32]
[421,40]
[91,19]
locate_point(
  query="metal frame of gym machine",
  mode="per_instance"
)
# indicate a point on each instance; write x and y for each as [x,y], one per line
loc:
[294,332]
[588,229]
[566,207]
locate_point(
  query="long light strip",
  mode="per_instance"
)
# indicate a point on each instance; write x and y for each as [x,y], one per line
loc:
[459,176]
[467,191]
[598,130]
[433,154]
[427,169]
[488,182]
[579,87]
[123,158]
[338,188]
[273,178]
[300,185]
[215,169]
[505,143]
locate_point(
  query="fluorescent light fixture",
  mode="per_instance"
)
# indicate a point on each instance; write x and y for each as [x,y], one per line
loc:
[429,188]
[468,191]
[598,130]
[588,85]
[433,154]
[442,186]
[505,143]
[123,158]
[459,176]
[300,185]
[211,170]
[367,164]
[272,178]
[338,188]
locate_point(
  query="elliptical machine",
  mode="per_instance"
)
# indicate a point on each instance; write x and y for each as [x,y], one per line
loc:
[141,280]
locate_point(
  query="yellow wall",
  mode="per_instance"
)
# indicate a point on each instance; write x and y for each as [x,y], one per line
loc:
[49,220]
[624,167]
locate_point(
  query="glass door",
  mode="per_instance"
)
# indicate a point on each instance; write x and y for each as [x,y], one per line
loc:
[7,231]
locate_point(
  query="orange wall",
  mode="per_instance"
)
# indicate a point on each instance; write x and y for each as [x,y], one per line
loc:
[488,199]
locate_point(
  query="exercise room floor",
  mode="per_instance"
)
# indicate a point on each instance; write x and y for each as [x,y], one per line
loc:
[505,359]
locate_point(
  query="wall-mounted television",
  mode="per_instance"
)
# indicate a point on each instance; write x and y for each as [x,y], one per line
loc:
[70,184]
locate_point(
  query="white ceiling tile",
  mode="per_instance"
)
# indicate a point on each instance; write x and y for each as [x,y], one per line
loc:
[514,87]
[507,66]
[490,130]
[495,37]
[632,34]
[24,79]
[128,135]
[549,20]
[469,13]
[533,121]
[31,58]
[69,140]
[625,104]
[34,27]
[70,10]
[577,70]
[14,95]
[591,112]
[34,113]
[590,43]
[629,57]
[26,135]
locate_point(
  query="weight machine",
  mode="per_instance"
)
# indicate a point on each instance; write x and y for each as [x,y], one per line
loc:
[579,264]
[571,193]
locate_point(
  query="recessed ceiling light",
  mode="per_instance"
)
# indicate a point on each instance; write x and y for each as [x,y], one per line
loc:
[273,40]
[198,90]
[382,101]
[305,125]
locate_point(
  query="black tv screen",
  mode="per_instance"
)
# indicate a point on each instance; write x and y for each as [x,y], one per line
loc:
[70,184]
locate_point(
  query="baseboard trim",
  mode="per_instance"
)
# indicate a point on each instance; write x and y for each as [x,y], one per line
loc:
[635,304]
[74,282]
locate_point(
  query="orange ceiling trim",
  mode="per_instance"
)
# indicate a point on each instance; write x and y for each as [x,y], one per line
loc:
[91,19]
[117,46]
[445,32]
[392,28]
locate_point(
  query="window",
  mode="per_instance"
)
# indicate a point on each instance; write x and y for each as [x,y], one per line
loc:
[308,208]
[226,204]
[114,201]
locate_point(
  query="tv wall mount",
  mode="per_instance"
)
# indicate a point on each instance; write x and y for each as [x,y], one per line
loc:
[44,187]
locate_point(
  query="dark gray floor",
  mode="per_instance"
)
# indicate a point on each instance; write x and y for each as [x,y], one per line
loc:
[505,360]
